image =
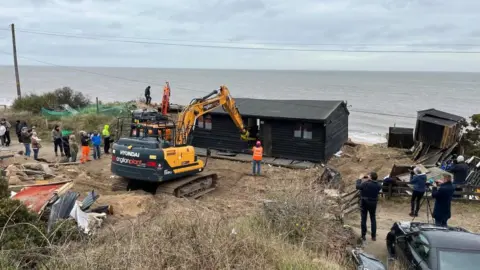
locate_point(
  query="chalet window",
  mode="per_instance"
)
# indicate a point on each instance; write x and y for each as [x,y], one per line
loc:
[200,122]
[208,122]
[297,133]
[303,130]
[307,131]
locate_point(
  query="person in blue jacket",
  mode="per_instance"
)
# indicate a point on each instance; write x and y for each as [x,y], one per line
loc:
[443,200]
[96,141]
[419,182]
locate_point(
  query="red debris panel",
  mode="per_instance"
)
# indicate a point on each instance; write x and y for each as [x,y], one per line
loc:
[36,197]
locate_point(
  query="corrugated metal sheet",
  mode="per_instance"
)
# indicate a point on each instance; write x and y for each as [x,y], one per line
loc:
[36,197]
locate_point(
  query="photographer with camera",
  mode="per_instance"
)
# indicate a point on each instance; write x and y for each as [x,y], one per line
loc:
[369,190]
[419,182]
[443,199]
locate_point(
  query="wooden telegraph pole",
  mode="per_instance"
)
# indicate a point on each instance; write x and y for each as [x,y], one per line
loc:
[17,76]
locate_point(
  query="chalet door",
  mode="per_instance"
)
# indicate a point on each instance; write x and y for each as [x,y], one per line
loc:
[266,131]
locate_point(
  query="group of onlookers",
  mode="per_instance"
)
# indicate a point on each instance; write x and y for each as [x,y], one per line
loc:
[5,127]
[63,141]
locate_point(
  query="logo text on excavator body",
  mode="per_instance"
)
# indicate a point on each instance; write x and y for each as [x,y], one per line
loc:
[123,160]
[129,154]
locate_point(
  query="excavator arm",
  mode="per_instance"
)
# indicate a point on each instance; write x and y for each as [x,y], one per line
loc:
[201,106]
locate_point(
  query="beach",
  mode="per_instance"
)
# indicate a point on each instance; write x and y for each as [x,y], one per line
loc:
[377,100]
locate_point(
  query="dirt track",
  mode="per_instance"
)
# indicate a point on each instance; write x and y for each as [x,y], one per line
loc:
[239,194]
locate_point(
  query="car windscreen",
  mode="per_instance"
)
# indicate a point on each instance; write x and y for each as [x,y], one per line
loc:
[458,260]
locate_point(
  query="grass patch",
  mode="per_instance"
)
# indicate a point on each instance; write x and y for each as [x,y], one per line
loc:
[294,232]
[190,242]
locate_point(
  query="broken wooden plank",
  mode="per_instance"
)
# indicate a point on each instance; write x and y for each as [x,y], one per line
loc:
[64,164]
[32,172]
[19,187]
[6,156]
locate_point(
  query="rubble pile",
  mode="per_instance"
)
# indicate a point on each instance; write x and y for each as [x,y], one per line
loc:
[46,189]
[28,173]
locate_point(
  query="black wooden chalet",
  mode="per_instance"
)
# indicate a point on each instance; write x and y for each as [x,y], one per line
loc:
[310,130]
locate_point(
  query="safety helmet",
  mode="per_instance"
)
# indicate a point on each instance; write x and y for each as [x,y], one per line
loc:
[460,159]
[258,143]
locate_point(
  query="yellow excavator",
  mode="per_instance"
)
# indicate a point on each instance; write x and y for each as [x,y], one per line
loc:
[157,148]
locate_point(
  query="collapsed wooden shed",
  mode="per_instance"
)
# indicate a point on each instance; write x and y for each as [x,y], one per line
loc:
[438,129]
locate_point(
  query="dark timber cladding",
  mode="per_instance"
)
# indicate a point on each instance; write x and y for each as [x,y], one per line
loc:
[437,128]
[400,137]
[311,130]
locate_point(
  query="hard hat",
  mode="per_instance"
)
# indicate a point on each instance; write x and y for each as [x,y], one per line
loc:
[259,143]
[460,159]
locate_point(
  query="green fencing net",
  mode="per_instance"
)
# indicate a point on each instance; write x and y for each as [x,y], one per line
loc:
[67,111]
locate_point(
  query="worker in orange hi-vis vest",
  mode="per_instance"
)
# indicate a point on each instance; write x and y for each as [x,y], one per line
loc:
[257,158]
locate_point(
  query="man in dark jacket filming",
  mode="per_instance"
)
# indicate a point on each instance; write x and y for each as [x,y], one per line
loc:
[443,199]
[419,182]
[459,171]
[369,190]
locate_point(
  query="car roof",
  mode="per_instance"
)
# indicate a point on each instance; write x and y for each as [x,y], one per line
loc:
[453,239]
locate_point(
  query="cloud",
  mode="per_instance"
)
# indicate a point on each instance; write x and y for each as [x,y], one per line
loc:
[372,25]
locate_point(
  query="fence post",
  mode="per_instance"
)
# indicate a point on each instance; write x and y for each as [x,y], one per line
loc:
[98,109]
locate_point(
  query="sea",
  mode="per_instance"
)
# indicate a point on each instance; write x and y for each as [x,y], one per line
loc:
[376,100]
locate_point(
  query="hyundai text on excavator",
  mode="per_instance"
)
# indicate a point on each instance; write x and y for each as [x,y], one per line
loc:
[157,149]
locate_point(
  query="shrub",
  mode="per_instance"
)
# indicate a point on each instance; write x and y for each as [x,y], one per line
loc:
[34,103]
[22,236]
[471,138]
[308,219]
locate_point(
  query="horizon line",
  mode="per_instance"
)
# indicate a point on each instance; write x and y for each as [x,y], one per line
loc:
[245,69]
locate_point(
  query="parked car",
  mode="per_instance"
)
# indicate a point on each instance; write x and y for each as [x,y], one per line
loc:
[426,246]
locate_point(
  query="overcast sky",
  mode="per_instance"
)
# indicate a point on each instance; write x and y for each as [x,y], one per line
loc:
[347,24]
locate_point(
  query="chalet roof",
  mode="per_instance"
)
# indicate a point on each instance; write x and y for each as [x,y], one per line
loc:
[316,110]
[438,121]
[433,113]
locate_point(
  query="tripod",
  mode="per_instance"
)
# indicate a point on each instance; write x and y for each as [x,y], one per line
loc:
[429,208]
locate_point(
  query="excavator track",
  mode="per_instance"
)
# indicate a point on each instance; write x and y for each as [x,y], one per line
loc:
[193,186]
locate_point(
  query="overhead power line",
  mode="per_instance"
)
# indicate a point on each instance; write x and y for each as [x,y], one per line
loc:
[42,32]
[254,46]
[193,90]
